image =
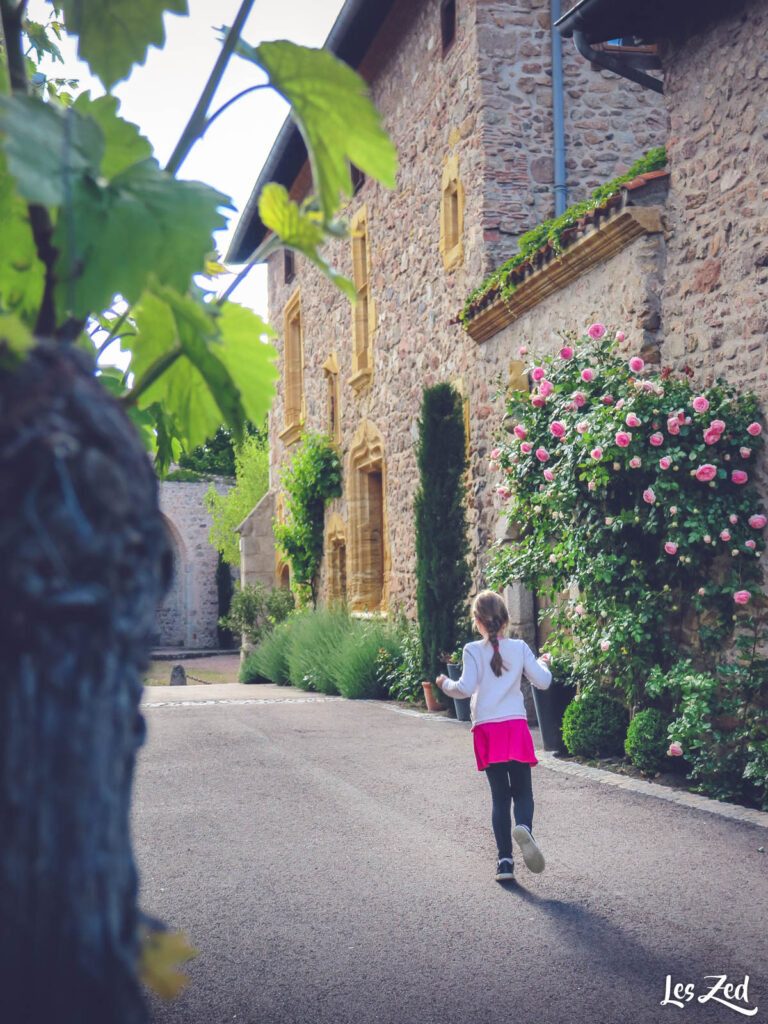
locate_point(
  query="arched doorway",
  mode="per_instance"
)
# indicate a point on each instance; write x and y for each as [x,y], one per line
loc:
[172,614]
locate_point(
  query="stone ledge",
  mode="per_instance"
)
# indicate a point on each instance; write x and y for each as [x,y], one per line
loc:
[598,246]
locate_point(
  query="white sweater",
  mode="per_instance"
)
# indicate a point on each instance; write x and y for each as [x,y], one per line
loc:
[497,698]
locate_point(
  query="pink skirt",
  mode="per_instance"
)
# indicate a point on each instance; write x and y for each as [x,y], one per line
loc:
[497,742]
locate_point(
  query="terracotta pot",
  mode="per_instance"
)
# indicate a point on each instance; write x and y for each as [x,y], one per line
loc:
[433,704]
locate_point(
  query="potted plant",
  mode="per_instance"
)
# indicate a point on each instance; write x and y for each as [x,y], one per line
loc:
[453,669]
[550,705]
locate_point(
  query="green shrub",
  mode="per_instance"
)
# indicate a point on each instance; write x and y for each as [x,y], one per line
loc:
[399,664]
[254,610]
[594,725]
[316,637]
[647,741]
[356,661]
[250,671]
[270,659]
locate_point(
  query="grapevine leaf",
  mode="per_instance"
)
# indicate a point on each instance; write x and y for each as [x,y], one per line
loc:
[333,111]
[15,338]
[115,34]
[124,145]
[161,954]
[250,361]
[22,275]
[299,230]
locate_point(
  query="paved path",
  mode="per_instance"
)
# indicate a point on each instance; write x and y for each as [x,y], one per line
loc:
[333,862]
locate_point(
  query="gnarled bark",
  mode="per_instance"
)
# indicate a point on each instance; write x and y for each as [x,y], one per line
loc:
[83,563]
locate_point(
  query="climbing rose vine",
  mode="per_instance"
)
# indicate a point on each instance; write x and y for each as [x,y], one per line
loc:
[633,494]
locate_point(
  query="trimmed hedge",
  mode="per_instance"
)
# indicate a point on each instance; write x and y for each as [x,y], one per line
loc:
[594,725]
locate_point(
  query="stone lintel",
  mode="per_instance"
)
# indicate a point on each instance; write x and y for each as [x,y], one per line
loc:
[599,246]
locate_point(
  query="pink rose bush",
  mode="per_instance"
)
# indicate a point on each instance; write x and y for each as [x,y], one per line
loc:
[630,529]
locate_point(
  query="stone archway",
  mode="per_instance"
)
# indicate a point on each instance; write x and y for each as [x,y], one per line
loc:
[173,612]
[368,562]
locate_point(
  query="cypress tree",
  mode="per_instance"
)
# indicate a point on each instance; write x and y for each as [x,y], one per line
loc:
[442,545]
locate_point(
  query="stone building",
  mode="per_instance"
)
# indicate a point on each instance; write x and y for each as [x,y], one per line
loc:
[491,143]
[188,615]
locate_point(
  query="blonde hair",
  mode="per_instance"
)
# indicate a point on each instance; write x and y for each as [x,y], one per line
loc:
[491,612]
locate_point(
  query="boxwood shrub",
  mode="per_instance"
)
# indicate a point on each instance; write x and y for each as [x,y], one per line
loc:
[594,724]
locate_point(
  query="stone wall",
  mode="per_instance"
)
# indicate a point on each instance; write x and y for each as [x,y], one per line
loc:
[257,544]
[715,306]
[473,103]
[188,615]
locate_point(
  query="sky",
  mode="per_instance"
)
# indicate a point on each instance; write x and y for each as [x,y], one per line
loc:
[159,97]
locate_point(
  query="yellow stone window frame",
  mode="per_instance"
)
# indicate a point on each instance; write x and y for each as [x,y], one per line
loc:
[293,370]
[369,563]
[452,215]
[332,398]
[363,310]
[336,558]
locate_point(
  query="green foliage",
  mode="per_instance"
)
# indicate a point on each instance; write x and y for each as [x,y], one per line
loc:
[442,545]
[216,456]
[399,663]
[614,513]
[330,105]
[254,611]
[270,659]
[594,724]
[228,510]
[184,476]
[312,477]
[646,743]
[116,34]
[111,228]
[551,232]
[224,594]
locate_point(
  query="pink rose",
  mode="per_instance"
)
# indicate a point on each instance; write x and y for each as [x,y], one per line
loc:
[523,350]
[673,427]
[706,472]
[681,417]
[707,539]
[623,439]
[526,447]
[741,596]
[620,335]
[754,429]
[549,475]
[711,436]
[701,591]
[604,645]
[596,331]
[700,404]
[670,547]
[675,750]
[587,374]
[503,492]
[739,476]
[545,389]
[750,544]
[656,439]
[725,535]
[597,454]
[591,485]
[538,402]
[582,427]
[566,352]
[635,463]
[578,399]
[745,452]
[607,400]
[666,462]
[557,429]
[495,453]
[616,467]
[537,373]
[542,454]
[757,522]
[520,432]
[632,420]
[732,518]
[636,364]
[717,425]
[649,496]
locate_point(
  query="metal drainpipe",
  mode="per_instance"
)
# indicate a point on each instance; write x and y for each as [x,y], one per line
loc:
[561,200]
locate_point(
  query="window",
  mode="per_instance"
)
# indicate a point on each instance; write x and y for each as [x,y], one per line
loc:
[293,369]
[358,178]
[447,24]
[289,265]
[333,398]
[369,565]
[362,311]
[336,553]
[452,215]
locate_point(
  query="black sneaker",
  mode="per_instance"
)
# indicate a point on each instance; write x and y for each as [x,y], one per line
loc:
[532,855]
[505,869]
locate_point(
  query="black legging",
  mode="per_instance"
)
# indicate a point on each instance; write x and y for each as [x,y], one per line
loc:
[510,782]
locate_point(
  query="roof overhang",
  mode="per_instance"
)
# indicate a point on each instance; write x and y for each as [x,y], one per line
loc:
[648,20]
[353,32]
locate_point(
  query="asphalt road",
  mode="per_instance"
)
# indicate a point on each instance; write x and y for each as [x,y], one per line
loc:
[333,862]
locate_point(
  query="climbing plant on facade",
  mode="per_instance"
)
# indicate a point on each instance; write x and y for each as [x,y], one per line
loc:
[310,479]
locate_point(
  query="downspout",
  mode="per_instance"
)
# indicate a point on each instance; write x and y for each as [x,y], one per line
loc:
[557,109]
